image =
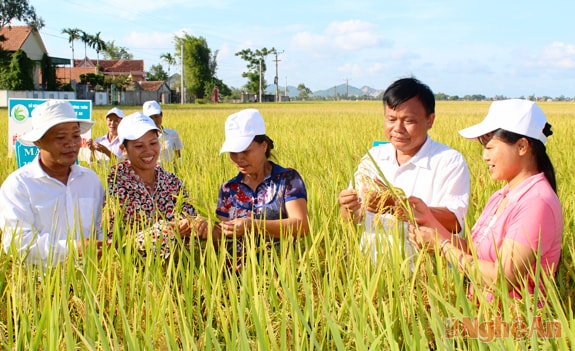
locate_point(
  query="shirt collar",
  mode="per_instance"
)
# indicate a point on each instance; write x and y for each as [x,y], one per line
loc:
[275,170]
[36,170]
[516,193]
[420,159]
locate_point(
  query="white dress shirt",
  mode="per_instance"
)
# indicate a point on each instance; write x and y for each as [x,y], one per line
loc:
[437,174]
[113,146]
[170,141]
[40,216]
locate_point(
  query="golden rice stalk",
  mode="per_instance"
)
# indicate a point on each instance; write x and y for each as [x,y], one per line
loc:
[402,207]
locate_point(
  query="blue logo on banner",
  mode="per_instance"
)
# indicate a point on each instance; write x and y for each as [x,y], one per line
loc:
[22,108]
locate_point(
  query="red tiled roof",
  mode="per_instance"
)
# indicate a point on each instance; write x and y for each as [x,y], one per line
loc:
[15,37]
[114,66]
[107,67]
[151,85]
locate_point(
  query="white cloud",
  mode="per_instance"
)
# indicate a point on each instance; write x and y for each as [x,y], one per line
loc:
[375,68]
[348,36]
[158,40]
[557,55]
[305,41]
[353,69]
[352,35]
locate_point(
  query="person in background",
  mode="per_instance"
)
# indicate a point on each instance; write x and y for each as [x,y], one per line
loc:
[169,138]
[422,168]
[149,195]
[264,200]
[51,206]
[108,146]
[522,223]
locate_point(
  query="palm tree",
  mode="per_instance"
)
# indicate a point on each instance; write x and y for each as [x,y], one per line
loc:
[97,44]
[86,39]
[169,59]
[73,34]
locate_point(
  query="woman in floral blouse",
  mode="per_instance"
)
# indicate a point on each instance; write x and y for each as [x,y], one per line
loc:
[149,197]
[264,200]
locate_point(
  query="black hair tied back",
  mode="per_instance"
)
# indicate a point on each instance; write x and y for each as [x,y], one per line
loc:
[270,142]
[547,130]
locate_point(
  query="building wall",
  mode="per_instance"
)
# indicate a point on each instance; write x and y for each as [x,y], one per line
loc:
[33,48]
[5,95]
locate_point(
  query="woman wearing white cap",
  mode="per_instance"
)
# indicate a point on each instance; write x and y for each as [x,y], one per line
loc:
[147,194]
[109,144]
[52,202]
[522,223]
[264,200]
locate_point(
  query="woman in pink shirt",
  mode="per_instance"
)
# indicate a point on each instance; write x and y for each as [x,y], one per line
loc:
[522,223]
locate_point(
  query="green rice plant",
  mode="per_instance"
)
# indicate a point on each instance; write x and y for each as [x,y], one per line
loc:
[319,292]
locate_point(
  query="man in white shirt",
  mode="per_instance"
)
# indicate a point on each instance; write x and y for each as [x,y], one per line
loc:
[169,138]
[52,206]
[424,169]
[107,147]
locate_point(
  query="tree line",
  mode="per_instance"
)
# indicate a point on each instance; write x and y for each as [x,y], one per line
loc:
[198,61]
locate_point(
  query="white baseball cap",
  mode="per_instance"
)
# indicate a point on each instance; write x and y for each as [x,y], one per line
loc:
[135,125]
[519,116]
[51,113]
[241,128]
[115,111]
[151,108]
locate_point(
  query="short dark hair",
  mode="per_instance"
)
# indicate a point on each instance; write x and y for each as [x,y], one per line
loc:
[406,88]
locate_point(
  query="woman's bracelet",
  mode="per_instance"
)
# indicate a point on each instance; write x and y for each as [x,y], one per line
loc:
[443,243]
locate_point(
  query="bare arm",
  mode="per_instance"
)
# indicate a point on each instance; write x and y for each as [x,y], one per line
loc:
[516,260]
[296,222]
[434,216]
[447,219]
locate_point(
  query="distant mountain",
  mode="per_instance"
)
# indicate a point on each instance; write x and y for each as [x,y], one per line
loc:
[340,90]
[291,90]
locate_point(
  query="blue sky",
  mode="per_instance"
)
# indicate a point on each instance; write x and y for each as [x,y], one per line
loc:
[511,48]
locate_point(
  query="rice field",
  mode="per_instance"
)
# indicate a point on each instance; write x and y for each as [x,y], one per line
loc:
[319,292]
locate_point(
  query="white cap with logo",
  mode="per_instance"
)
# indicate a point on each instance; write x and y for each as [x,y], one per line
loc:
[134,126]
[115,111]
[241,128]
[519,116]
[151,108]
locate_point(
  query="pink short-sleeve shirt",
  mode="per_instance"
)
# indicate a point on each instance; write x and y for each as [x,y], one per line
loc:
[532,217]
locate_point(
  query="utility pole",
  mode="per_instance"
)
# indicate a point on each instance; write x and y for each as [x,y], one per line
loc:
[260,97]
[276,77]
[182,97]
[286,92]
[346,88]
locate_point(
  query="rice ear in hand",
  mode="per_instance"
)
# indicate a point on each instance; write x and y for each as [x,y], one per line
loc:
[401,203]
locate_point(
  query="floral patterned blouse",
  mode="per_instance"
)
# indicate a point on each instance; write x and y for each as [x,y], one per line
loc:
[148,210]
[238,200]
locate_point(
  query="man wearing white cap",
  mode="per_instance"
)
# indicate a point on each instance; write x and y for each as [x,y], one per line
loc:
[51,205]
[169,138]
[108,146]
